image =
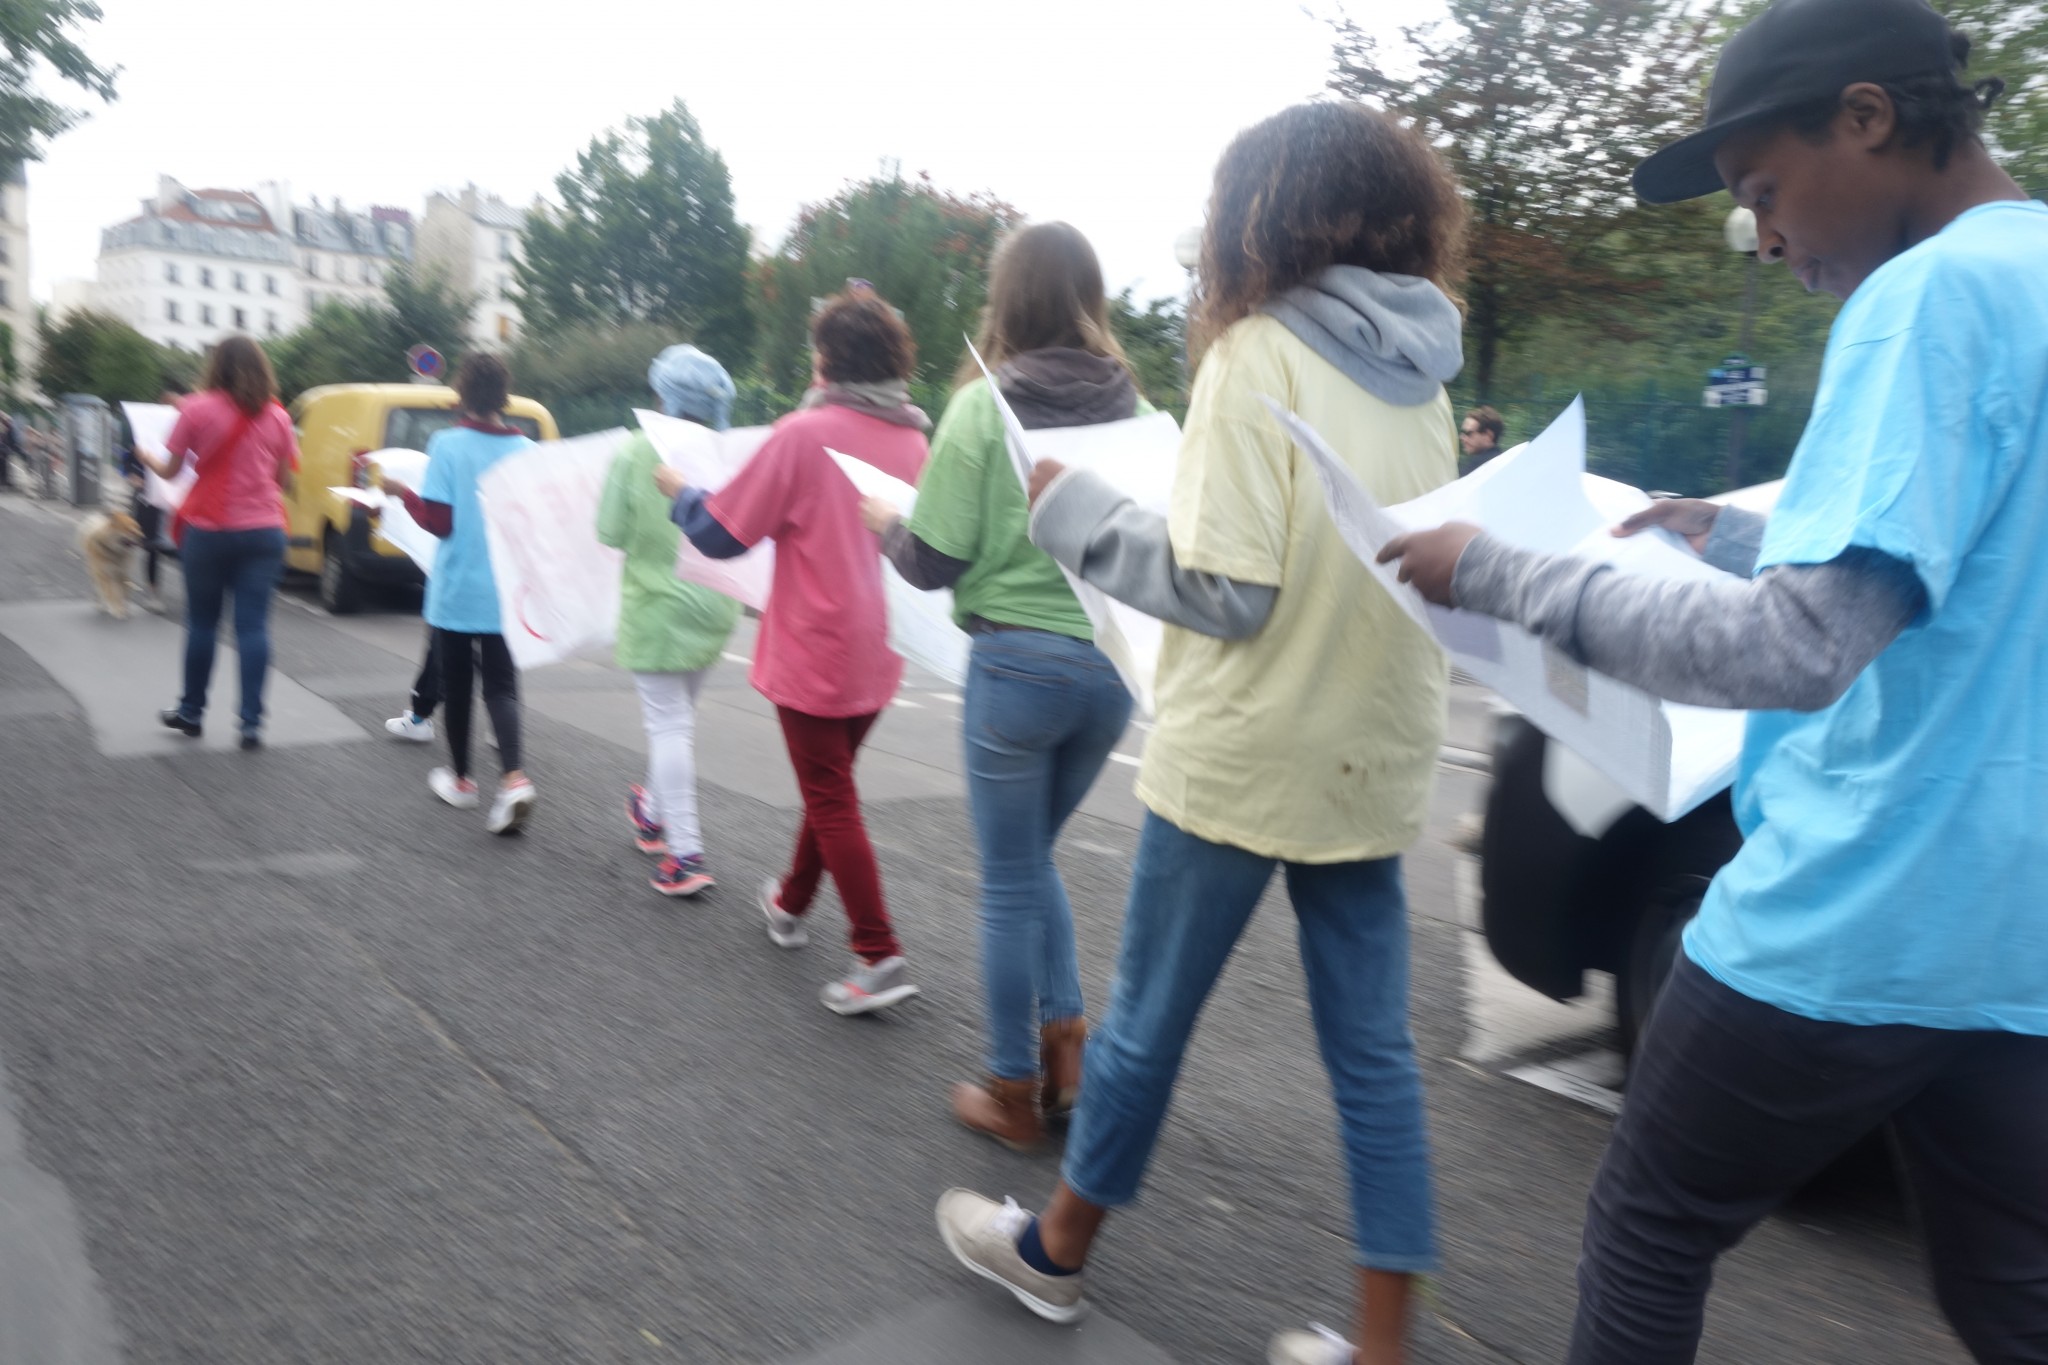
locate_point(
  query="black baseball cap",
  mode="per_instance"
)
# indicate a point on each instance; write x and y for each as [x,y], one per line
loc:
[1795,54]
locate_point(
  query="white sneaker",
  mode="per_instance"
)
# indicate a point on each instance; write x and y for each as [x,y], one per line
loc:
[511,807]
[784,929]
[870,987]
[1317,1346]
[459,792]
[982,1235]
[410,727]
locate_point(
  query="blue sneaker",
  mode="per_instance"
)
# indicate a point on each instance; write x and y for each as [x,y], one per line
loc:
[649,834]
[682,876]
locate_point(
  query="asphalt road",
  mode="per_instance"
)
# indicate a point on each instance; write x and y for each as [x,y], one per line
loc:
[300,1066]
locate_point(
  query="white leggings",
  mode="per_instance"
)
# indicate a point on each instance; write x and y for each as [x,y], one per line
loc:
[668,706]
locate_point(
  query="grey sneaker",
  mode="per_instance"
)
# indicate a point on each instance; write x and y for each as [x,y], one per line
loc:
[1317,1346]
[982,1235]
[869,987]
[784,929]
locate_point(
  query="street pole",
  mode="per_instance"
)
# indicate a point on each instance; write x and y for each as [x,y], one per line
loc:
[1738,425]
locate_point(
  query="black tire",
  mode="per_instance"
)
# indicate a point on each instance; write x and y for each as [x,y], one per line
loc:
[1653,948]
[341,592]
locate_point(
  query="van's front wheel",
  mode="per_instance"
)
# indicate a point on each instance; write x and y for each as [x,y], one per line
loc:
[341,592]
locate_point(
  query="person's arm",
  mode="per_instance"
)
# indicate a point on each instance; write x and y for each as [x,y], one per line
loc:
[921,566]
[1792,639]
[435,518]
[704,531]
[1107,540]
[1728,538]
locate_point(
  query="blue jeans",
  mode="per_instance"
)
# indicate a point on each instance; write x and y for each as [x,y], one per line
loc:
[216,563]
[1190,900]
[1043,711]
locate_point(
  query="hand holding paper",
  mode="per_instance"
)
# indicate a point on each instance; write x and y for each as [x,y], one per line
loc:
[921,625]
[1429,559]
[1042,475]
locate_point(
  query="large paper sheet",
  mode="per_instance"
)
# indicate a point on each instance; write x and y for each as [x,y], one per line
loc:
[709,459]
[558,587]
[151,423]
[394,523]
[921,626]
[1667,757]
[1138,457]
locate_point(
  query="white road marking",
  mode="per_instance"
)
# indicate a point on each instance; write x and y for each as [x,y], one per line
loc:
[735,658]
[1130,760]
[953,697]
[907,703]
[1593,1078]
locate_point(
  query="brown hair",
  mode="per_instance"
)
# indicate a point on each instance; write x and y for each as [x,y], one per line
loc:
[1044,289]
[1319,185]
[1486,419]
[483,384]
[860,340]
[239,369]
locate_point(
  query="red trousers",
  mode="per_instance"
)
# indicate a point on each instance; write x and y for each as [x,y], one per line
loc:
[834,839]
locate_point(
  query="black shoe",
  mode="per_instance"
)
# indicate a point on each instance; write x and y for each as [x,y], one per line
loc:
[251,740]
[175,720]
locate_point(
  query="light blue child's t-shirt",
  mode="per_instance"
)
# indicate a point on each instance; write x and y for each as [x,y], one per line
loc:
[462,594]
[1895,869]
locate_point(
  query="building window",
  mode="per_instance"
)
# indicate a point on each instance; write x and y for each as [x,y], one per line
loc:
[313,266]
[504,328]
[241,320]
[6,301]
[241,283]
[504,246]
[6,258]
[270,323]
[367,274]
[206,315]
[270,284]
[205,277]
[171,272]
[171,311]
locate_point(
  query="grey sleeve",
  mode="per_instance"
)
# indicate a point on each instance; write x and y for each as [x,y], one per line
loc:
[922,567]
[1737,539]
[1792,639]
[1105,539]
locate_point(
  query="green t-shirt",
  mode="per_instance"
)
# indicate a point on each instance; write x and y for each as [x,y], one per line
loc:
[665,624]
[971,506]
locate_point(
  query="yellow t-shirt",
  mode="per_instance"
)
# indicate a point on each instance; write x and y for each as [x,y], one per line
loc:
[1314,741]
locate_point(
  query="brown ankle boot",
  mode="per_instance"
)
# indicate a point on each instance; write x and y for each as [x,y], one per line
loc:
[1006,1110]
[1059,1060]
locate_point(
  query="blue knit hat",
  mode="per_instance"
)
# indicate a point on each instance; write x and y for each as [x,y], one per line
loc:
[693,386]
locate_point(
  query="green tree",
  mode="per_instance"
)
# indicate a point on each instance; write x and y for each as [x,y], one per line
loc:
[362,343]
[925,250]
[94,353]
[1155,340]
[1543,108]
[33,32]
[2010,41]
[591,377]
[645,233]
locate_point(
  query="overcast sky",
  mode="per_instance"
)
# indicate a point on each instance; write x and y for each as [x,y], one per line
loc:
[1108,113]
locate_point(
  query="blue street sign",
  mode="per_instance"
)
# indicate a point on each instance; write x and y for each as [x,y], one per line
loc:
[426,362]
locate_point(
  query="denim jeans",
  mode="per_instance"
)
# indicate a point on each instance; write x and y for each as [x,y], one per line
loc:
[217,563]
[1734,1104]
[1189,901]
[1043,711]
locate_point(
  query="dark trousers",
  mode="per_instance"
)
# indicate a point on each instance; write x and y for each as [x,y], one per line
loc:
[426,688]
[462,658]
[1733,1105]
[834,838]
[217,563]
[150,518]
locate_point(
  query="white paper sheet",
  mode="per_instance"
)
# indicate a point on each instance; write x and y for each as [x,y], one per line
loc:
[394,523]
[1138,457]
[1667,757]
[709,459]
[152,423]
[921,625]
[558,586]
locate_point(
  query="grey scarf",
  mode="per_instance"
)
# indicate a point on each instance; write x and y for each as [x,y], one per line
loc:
[1396,336]
[887,399]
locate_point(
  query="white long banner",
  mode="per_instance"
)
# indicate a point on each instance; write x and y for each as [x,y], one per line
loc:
[558,586]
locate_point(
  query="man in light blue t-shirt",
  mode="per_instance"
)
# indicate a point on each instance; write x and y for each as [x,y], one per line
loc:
[1878,950]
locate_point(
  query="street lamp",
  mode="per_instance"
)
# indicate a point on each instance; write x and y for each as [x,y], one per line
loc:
[1187,249]
[1741,234]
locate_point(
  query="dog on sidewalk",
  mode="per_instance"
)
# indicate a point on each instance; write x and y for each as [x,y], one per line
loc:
[106,540]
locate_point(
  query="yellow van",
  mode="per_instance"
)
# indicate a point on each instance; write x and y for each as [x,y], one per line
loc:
[340,425]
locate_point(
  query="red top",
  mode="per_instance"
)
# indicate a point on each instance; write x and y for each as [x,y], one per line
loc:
[823,648]
[237,457]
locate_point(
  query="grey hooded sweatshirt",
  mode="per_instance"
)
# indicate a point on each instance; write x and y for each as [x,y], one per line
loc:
[1395,336]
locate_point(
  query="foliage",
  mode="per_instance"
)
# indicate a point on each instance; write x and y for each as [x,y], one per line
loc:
[645,233]
[33,32]
[1155,342]
[90,352]
[2010,41]
[925,250]
[1543,109]
[352,343]
[591,377]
